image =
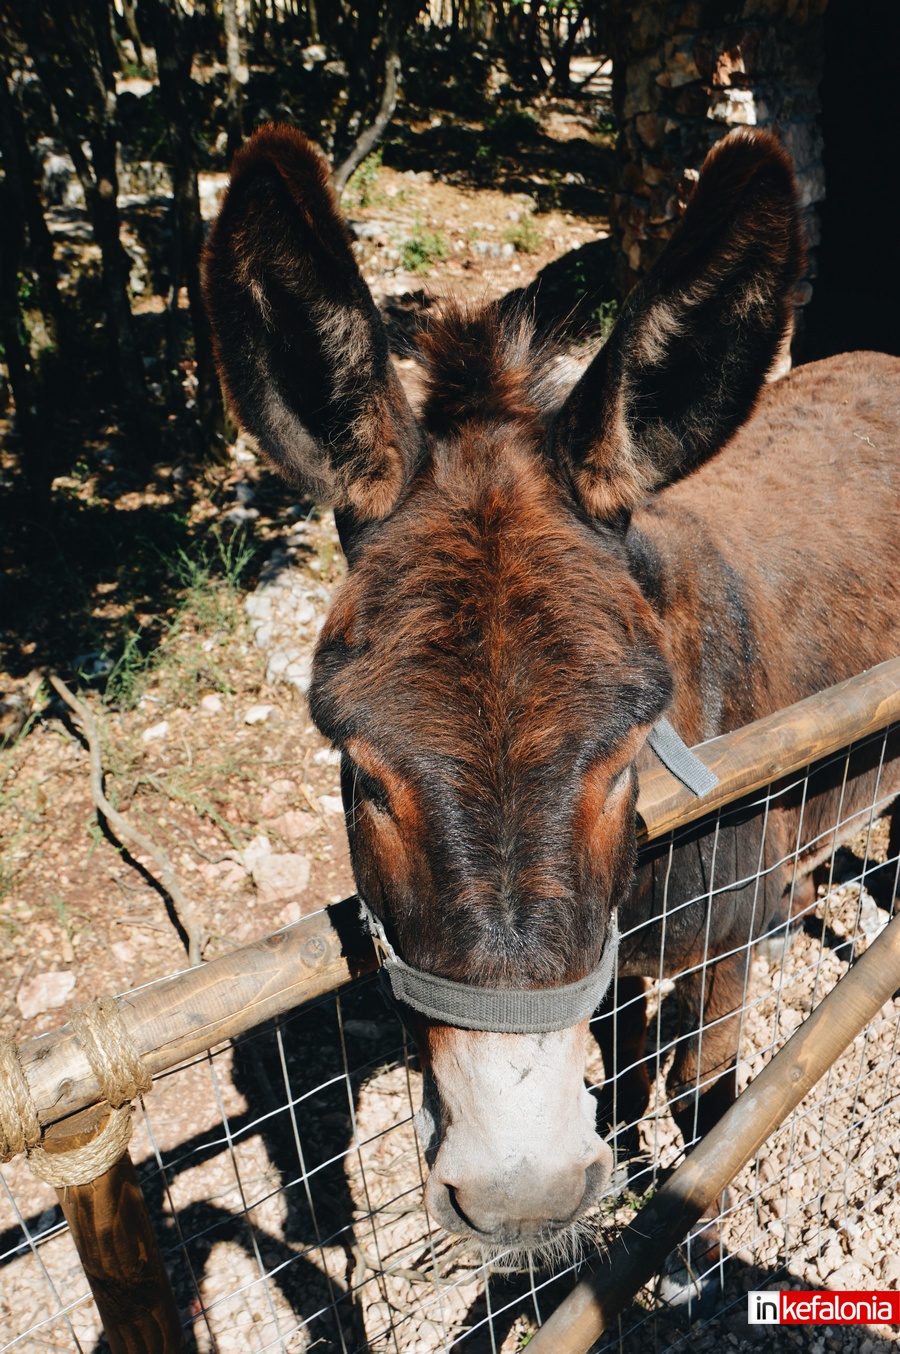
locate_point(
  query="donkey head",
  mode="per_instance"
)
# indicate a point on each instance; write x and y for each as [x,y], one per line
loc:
[491,667]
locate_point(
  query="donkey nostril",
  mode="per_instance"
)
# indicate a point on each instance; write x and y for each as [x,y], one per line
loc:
[526,1207]
[457,1207]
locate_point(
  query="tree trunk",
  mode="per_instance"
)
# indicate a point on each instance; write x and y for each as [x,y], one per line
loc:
[39,243]
[26,252]
[171,31]
[533,44]
[370,136]
[561,51]
[233,97]
[78,74]
[131,25]
[370,48]
[16,347]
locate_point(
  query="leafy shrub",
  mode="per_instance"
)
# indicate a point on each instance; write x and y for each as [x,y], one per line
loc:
[422,249]
[524,236]
[512,126]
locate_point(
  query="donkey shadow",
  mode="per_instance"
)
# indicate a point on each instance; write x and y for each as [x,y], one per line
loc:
[303,1093]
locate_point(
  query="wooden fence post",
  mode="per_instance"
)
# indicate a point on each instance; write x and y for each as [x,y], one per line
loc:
[117,1247]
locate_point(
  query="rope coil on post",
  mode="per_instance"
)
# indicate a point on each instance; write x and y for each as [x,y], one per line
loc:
[121,1075]
[110,1050]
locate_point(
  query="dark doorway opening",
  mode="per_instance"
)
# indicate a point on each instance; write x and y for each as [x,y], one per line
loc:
[856,297]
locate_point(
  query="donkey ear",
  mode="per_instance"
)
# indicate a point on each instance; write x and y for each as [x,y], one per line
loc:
[300,345]
[696,338]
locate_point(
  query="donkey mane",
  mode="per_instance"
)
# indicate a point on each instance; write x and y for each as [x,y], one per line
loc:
[488,363]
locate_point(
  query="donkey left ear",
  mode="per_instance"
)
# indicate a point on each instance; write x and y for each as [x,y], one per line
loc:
[696,338]
[300,345]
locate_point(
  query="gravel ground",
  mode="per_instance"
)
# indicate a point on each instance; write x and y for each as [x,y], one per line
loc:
[264,1245]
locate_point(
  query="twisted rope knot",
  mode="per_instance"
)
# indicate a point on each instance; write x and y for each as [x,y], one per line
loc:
[121,1076]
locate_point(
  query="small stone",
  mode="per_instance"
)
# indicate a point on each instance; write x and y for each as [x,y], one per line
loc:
[258,714]
[223,875]
[256,851]
[278,661]
[240,516]
[830,1260]
[46,992]
[299,674]
[279,878]
[123,951]
[155,732]
[328,757]
[332,803]
[258,607]
[850,1277]
[890,1271]
[211,704]
[293,825]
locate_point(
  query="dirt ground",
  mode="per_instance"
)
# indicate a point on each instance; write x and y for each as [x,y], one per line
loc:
[192,647]
[184,757]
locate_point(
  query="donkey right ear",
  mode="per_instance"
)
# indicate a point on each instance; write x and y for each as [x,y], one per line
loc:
[299,343]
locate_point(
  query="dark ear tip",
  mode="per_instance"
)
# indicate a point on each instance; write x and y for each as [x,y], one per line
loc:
[283,147]
[751,143]
[746,178]
[747,154]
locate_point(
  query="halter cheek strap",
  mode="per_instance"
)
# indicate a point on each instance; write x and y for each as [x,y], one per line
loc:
[500,1010]
[677,757]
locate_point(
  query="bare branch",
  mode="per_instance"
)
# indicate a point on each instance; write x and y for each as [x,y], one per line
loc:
[187,916]
[369,138]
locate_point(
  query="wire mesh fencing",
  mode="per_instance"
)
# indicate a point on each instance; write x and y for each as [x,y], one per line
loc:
[285,1179]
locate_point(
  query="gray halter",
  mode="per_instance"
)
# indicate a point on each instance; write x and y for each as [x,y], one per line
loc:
[515,1010]
[677,757]
[501,1010]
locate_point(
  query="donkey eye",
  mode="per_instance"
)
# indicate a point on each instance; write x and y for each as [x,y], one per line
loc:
[368,788]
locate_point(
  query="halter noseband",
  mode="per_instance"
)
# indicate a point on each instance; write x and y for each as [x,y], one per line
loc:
[500,1010]
[520,1010]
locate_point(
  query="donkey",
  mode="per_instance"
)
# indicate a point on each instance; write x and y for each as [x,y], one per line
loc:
[535,577]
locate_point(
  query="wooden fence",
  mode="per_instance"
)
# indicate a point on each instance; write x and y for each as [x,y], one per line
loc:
[198,1010]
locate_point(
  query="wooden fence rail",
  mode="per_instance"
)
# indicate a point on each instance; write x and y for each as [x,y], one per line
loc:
[195,1011]
[199,1009]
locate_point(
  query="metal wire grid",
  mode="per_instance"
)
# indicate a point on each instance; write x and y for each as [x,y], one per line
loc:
[285,1179]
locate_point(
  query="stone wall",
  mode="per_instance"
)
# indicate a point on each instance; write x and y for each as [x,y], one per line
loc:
[686,71]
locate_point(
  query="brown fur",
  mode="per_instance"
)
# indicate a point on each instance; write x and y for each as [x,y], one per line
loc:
[643,415]
[299,343]
[517,612]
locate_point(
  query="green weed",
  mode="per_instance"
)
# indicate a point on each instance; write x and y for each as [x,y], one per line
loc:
[362,189]
[606,131]
[126,679]
[524,236]
[423,249]
[208,611]
[603,318]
